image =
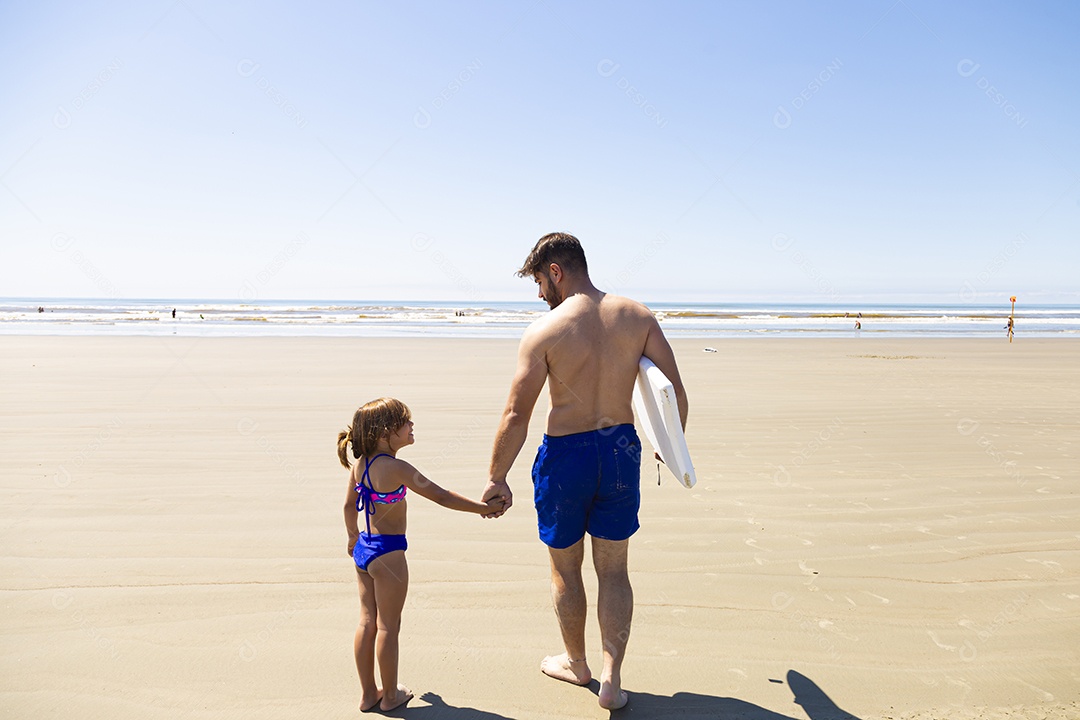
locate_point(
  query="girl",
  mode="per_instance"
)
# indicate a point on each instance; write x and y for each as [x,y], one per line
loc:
[377,487]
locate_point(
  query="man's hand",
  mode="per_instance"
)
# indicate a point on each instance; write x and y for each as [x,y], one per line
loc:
[495,505]
[498,491]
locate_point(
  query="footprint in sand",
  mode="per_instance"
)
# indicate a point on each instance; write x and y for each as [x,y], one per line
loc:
[1048,564]
[940,644]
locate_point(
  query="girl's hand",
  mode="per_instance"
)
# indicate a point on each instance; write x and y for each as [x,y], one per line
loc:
[352,543]
[499,492]
[495,507]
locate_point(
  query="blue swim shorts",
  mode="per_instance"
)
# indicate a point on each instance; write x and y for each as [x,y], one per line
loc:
[588,482]
[368,547]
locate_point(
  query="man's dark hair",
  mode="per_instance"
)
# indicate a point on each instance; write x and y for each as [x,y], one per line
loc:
[562,249]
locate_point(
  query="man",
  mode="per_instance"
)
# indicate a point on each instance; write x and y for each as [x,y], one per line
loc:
[587,472]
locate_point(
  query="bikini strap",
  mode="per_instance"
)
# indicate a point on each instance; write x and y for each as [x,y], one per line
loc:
[364,501]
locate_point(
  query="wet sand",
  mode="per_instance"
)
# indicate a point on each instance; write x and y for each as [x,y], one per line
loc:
[881,529]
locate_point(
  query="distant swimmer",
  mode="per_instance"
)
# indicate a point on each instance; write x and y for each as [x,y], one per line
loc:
[858,324]
[1012,311]
[174,313]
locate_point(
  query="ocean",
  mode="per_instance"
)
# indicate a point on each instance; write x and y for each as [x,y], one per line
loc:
[277,318]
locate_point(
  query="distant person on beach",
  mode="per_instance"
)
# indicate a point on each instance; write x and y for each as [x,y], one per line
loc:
[1009,328]
[174,313]
[586,478]
[379,430]
[858,324]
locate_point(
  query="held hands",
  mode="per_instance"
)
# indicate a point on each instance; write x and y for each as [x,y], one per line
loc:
[496,507]
[498,497]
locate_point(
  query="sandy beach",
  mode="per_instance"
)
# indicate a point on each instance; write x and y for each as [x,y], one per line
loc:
[881,529]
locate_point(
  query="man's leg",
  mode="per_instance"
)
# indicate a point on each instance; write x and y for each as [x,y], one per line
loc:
[568,596]
[615,607]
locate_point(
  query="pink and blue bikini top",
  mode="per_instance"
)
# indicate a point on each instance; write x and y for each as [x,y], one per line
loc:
[367,497]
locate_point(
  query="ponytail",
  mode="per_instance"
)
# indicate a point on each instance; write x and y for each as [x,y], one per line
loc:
[343,439]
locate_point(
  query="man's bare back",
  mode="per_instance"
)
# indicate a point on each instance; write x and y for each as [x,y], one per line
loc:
[591,344]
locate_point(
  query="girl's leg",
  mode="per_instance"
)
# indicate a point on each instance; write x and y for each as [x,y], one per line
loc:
[364,642]
[391,575]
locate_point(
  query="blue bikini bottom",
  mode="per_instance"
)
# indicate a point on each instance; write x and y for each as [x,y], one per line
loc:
[368,547]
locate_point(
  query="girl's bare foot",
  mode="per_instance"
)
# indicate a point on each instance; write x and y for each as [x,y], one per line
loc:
[612,699]
[368,703]
[561,667]
[402,696]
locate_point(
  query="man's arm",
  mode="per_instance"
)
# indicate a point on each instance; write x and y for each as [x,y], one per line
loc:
[529,379]
[658,349]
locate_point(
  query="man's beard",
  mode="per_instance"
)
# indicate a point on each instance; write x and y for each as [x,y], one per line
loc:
[555,301]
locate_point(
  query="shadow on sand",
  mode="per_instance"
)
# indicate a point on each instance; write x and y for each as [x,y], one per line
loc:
[439,710]
[690,706]
[680,706]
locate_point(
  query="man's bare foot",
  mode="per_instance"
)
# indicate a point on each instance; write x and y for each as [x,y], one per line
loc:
[367,704]
[402,696]
[612,699]
[561,667]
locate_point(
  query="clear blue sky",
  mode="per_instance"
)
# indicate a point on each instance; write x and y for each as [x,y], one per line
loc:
[892,149]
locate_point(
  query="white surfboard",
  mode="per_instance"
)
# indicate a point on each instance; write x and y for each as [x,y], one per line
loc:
[658,413]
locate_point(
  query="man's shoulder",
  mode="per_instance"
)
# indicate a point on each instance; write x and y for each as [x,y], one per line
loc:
[627,309]
[539,330]
[627,302]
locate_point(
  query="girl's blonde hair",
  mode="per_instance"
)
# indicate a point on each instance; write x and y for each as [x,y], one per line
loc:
[370,422]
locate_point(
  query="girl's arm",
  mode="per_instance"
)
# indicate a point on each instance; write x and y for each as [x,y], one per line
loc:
[415,481]
[351,515]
